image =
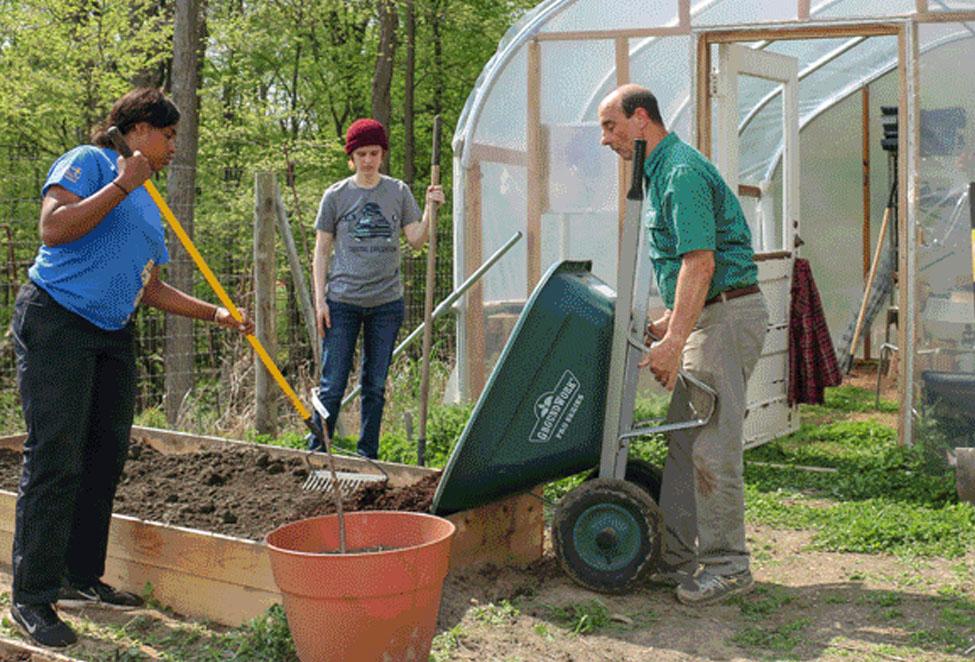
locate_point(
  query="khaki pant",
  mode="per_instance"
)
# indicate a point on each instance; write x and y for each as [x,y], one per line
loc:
[702,496]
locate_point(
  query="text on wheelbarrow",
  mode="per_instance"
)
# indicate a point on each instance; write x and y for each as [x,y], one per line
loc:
[555,409]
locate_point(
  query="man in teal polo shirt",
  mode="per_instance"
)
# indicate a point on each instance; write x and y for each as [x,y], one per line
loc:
[713,327]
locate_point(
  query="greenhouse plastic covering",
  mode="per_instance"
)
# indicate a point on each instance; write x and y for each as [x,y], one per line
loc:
[580,212]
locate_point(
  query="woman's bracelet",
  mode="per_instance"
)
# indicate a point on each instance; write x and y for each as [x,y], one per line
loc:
[120,187]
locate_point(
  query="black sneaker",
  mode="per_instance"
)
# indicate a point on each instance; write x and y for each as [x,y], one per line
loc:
[98,594]
[42,623]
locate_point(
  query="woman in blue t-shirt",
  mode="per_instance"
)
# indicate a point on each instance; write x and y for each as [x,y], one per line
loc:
[102,246]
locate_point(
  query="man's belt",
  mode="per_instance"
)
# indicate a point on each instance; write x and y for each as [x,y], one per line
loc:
[733,294]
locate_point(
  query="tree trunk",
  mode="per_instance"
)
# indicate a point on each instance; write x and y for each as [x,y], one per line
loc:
[409,156]
[382,109]
[181,190]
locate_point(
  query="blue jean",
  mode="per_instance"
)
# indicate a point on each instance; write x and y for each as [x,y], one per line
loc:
[380,326]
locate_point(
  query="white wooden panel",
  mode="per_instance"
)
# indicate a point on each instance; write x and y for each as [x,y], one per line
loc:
[776,339]
[778,299]
[769,379]
[768,422]
[774,269]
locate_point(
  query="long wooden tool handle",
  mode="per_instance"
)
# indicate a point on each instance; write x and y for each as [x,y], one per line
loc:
[971,211]
[421,447]
[123,148]
[870,278]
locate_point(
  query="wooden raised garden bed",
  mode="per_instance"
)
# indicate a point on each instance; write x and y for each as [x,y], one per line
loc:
[226,577]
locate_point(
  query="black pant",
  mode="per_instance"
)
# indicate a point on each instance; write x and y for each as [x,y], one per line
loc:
[77,388]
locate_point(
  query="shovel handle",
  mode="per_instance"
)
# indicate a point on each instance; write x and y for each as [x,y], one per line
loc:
[123,148]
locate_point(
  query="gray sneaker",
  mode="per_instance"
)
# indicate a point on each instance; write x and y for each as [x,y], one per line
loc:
[673,577]
[705,588]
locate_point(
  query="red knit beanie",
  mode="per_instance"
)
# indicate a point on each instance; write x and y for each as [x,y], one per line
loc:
[363,133]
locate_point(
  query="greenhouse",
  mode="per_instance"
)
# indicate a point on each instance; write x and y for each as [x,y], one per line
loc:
[834,119]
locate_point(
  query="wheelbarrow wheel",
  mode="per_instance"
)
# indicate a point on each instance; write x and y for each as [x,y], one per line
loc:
[606,534]
[641,472]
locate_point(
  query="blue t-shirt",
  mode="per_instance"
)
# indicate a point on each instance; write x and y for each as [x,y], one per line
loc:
[100,276]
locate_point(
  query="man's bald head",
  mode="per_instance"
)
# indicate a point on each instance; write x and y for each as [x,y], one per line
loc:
[629,113]
[633,96]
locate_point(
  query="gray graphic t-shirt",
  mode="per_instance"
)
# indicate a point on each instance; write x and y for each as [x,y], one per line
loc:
[366,224]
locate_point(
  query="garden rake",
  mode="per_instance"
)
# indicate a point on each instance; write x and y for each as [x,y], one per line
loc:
[322,480]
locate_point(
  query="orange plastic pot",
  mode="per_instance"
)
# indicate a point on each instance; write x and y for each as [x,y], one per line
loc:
[378,605]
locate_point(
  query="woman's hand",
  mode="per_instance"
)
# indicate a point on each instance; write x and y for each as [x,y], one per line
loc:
[133,171]
[223,318]
[323,318]
[435,194]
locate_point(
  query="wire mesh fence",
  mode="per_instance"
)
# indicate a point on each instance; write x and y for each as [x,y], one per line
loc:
[222,363]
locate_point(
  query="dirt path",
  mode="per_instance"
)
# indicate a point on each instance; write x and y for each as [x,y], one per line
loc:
[806,605]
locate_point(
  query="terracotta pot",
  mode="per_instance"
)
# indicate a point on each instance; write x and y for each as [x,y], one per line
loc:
[372,605]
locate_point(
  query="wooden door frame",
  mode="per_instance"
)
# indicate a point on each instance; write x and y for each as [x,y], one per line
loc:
[906,32]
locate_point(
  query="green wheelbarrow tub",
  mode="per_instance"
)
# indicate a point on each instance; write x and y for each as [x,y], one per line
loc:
[540,416]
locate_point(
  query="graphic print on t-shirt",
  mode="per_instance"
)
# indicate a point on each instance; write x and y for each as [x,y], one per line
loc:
[369,223]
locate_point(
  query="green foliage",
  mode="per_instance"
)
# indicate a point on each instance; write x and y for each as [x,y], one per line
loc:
[444,426]
[867,457]
[850,399]
[781,638]
[152,417]
[582,617]
[280,82]
[502,613]
[263,638]
[762,603]
[882,498]
[445,643]
[11,416]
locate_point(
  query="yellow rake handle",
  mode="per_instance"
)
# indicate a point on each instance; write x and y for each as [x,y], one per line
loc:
[123,149]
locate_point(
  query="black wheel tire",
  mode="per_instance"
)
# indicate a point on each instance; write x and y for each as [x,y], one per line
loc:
[641,472]
[606,534]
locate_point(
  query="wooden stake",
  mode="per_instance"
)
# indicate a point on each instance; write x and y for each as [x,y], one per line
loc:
[421,445]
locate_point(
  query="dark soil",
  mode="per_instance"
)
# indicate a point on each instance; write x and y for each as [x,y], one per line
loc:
[15,657]
[243,493]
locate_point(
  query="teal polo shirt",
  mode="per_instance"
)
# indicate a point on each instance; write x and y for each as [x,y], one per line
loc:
[689,207]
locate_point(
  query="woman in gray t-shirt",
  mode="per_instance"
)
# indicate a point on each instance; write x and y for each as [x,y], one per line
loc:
[360,218]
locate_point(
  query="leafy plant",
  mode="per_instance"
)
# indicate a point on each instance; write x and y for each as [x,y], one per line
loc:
[582,617]
[502,613]
[263,638]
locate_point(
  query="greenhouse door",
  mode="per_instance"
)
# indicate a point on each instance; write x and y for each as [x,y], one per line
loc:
[769,413]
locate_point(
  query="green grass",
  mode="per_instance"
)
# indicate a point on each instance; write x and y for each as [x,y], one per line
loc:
[781,638]
[882,498]
[762,603]
[582,617]
[847,400]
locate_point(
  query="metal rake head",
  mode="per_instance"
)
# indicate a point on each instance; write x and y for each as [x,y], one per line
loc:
[320,480]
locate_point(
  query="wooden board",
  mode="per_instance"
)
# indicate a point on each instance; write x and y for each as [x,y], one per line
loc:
[228,580]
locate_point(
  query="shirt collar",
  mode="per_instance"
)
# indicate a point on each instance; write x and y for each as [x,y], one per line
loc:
[659,152]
